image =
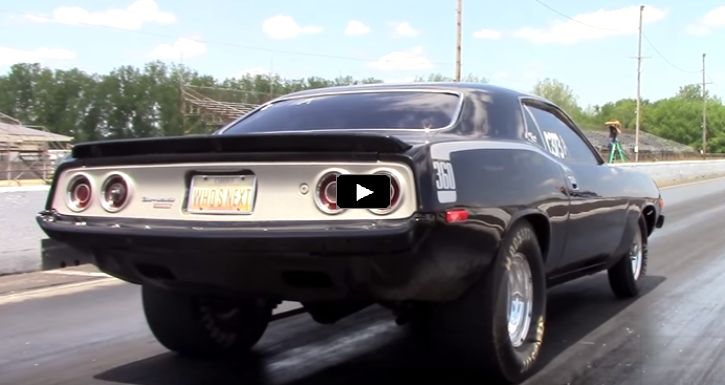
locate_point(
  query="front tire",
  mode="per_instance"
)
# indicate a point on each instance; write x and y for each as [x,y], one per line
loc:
[497,327]
[204,327]
[625,276]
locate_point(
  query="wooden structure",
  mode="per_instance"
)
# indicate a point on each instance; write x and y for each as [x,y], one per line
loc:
[29,153]
[211,111]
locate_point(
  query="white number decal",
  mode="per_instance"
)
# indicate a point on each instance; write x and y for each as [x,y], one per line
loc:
[556,144]
[445,180]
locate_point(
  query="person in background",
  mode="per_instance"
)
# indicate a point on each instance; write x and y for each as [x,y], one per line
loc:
[615,128]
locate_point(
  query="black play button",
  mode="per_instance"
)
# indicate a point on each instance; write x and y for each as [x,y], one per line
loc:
[363,191]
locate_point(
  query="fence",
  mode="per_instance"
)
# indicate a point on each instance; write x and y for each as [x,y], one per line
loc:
[34,165]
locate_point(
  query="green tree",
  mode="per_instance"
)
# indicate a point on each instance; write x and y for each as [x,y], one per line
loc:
[561,95]
[147,101]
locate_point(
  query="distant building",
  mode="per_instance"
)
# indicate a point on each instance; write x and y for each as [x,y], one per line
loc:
[29,153]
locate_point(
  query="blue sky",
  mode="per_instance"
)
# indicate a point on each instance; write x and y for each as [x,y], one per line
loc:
[511,43]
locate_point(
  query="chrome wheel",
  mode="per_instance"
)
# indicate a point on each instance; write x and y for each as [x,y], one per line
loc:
[519,299]
[635,255]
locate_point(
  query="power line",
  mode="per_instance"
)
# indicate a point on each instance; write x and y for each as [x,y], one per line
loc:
[649,42]
[665,58]
[552,9]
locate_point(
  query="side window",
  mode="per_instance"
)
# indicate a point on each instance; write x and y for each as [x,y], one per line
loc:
[532,134]
[561,140]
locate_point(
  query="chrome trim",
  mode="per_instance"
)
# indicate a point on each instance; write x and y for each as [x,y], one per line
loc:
[401,195]
[635,255]
[102,192]
[454,120]
[316,196]
[519,299]
[68,193]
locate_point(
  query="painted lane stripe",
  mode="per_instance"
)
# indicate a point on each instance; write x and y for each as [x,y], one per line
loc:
[54,291]
[77,273]
[15,189]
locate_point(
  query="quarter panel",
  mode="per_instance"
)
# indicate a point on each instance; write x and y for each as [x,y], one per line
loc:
[497,180]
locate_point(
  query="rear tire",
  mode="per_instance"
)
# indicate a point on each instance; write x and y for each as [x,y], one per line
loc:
[480,328]
[624,277]
[203,327]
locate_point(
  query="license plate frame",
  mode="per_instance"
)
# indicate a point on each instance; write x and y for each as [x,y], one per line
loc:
[214,184]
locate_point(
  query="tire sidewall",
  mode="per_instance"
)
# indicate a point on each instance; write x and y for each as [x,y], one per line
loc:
[183,323]
[518,362]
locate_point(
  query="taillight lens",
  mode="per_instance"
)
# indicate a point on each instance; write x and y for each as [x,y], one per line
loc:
[456,215]
[116,193]
[395,194]
[326,193]
[79,193]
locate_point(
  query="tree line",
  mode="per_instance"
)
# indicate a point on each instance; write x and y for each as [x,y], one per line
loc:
[678,117]
[133,102]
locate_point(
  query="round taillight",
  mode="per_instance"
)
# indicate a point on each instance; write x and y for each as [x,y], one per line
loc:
[395,195]
[115,193]
[79,193]
[326,193]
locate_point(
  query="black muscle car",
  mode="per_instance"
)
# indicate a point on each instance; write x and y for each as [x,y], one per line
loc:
[493,196]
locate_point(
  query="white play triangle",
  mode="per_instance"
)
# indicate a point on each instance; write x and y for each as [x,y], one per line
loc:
[361,192]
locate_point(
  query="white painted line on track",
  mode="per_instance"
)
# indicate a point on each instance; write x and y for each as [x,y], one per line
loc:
[11,189]
[706,180]
[54,291]
[78,273]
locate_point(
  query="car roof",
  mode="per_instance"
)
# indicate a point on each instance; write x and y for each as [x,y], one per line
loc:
[493,90]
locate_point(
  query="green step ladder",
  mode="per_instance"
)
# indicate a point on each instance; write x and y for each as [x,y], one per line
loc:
[616,150]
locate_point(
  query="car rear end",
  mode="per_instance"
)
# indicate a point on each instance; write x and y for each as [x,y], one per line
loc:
[255,213]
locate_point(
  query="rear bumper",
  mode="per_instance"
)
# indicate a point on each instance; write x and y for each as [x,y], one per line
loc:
[419,258]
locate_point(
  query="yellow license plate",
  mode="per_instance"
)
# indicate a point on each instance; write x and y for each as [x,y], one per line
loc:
[222,194]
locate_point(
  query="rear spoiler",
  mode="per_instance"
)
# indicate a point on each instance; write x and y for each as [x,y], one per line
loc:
[256,142]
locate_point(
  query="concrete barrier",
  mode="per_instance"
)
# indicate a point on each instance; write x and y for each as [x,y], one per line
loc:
[676,172]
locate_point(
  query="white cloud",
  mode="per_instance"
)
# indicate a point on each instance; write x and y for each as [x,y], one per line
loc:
[592,26]
[413,59]
[712,20]
[404,29]
[38,55]
[488,34]
[132,17]
[285,27]
[356,28]
[182,48]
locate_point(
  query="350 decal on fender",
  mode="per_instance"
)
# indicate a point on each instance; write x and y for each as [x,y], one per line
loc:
[445,180]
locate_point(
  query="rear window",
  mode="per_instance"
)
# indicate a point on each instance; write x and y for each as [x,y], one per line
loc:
[358,110]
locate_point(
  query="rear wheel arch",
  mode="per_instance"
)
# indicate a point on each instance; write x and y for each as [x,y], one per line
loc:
[540,223]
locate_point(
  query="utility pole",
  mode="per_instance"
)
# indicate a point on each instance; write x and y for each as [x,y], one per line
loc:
[639,78]
[459,6]
[704,110]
